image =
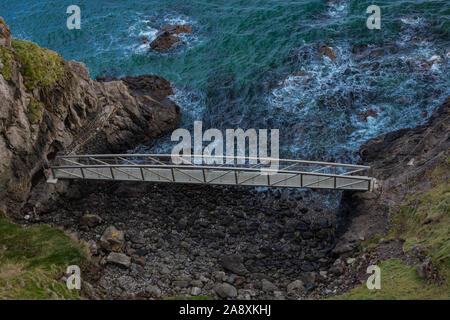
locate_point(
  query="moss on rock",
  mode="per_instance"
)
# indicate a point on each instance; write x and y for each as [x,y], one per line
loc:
[6,56]
[40,67]
[35,111]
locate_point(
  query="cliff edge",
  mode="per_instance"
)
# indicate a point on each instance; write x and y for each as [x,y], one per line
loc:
[49,105]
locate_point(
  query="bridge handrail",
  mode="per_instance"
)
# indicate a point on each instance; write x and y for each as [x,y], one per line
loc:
[103,156]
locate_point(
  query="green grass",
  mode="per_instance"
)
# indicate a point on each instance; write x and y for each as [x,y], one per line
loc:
[6,56]
[40,67]
[35,111]
[423,219]
[33,259]
[399,282]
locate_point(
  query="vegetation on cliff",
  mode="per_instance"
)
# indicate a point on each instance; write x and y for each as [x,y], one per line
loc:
[33,259]
[35,111]
[5,58]
[423,223]
[40,67]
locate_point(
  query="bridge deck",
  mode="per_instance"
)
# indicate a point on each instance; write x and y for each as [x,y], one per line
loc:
[241,171]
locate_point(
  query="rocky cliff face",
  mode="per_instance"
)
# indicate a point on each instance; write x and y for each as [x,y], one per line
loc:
[49,105]
[402,162]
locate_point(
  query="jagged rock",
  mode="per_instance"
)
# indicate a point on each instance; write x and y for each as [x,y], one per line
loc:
[72,113]
[175,29]
[197,283]
[164,42]
[295,286]
[112,239]
[119,259]
[225,290]
[92,247]
[165,38]
[309,278]
[234,264]
[268,286]
[5,34]
[90,220]
[139,260]
[154,291]
[399,160]
[338,267]
[428,271]
[180,283]
[327,51]
[195,291]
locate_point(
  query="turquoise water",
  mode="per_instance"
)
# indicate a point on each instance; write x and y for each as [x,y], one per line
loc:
[240,66]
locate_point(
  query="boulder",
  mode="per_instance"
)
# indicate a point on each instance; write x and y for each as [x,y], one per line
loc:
[165,38]
[112,239]
[175,29]
[164,42]
[327,51]
[154,291]
[295,286]
[180,283]
[119,259]
[268,286]
[428,271]
[225,290]
[234,264]
[90,220]
[195,291]
[92,247]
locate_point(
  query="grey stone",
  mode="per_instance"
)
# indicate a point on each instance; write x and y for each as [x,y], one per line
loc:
[195,291]
[268,286]
[219,275]
[119,259]
[112,239]
[225,290]
[197,283]
[164,270]
[154,291]
[180,283]
[234,264]
[90,220]
[92,247]
[295,286]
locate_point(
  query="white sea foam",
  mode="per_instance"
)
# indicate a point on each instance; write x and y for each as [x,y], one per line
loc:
[327,99]
[337,8]
[148,27]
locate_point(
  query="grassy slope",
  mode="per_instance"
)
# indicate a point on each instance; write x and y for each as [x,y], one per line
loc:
[33,259]
[40,67]
[424,220]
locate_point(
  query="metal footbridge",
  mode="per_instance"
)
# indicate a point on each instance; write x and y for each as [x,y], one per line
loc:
[243,171]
